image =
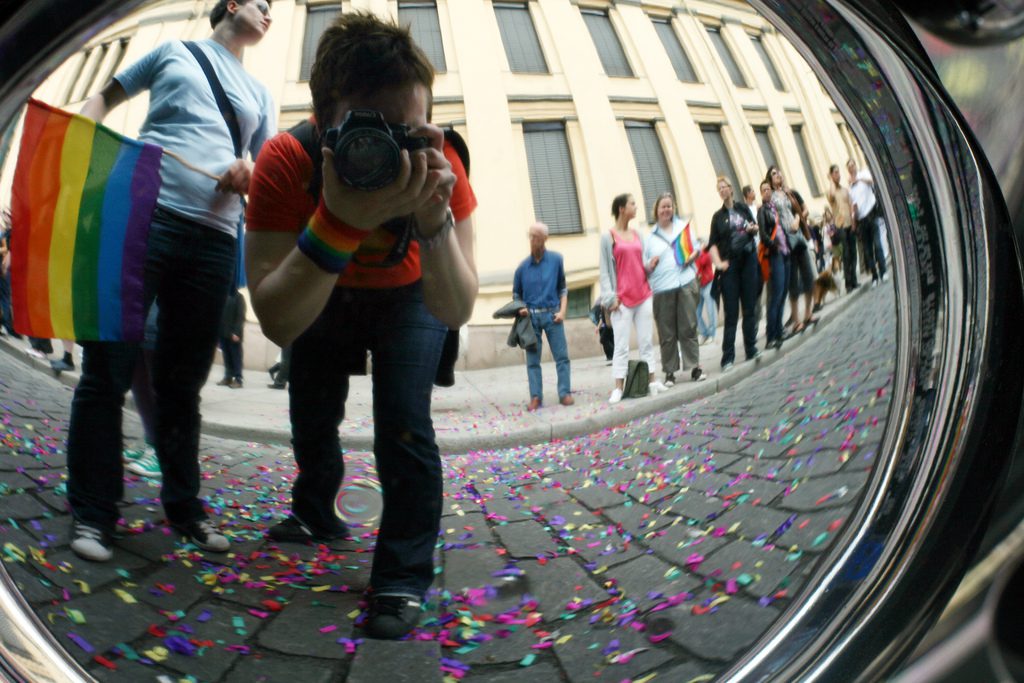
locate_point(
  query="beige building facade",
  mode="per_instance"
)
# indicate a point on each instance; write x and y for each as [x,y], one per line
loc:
[564,105]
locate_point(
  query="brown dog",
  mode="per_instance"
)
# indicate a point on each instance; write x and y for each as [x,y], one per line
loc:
[824,284]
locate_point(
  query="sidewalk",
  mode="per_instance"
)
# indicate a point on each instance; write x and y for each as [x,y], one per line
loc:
[486,409]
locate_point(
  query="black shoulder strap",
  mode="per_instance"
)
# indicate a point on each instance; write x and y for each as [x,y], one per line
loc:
[223,103]
[459,145]
[305,132]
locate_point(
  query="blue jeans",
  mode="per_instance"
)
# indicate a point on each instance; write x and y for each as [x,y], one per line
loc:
[405,341]
[778,285]
[739,287]
[189,266]
[545,322]
[708,306]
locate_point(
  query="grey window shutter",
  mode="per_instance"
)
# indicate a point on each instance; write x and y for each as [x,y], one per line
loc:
[768,63]
[720,158]
[318,18]
[421,18]
[555,199]
[676,54]
[764,141]
[609,49]
[519,36]
[805,157]
[727,58]
[650,163]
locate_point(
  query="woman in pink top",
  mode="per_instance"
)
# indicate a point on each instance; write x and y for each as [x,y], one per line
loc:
[626,294]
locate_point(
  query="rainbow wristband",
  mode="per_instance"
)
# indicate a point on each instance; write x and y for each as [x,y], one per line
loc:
[328,242]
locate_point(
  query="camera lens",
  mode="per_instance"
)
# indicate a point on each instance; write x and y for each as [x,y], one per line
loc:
[367,159]
[364,156]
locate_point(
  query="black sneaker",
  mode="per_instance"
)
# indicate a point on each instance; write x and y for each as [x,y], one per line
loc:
[293,530]
[204,535]
[392,616]
[90,542]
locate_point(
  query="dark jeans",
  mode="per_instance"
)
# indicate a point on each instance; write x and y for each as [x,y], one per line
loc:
[778,284]
[6,315]
[739,287]
[871,237]
[405,341]
[848,239]
[232,352]
[189,267]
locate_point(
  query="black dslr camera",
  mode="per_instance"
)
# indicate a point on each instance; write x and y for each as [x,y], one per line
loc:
[367,151]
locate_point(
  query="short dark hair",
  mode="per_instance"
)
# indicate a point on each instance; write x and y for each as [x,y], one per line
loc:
[220,10]
[747,189]
[360,53]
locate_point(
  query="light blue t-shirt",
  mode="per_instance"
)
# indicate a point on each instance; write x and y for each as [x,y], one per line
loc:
[183,118]
[667,275]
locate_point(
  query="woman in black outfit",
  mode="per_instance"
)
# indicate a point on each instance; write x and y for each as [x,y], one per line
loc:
[731,247]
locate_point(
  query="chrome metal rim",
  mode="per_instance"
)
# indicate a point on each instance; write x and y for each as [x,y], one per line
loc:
[957,280]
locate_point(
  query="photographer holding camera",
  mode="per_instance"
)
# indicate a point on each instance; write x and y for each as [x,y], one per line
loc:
[382,261]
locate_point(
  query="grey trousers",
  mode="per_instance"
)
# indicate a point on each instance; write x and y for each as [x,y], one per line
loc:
[675,316]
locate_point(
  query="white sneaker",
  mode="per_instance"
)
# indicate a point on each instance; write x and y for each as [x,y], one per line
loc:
[657,387]
[885,278]
[90,542]
[616,395]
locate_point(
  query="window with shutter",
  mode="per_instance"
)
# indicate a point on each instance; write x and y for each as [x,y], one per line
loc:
[764,141]
[805,157]
[552,180]
[578,302]
[719,154]
[768,63]
[421,19]
[519,36]
[318,18]
[728,60]
[650,163]
[676,54]
[609,49]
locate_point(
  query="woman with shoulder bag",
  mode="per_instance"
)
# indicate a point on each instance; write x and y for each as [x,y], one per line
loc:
[775,239]
[731,246]
[792,215]
[627,295]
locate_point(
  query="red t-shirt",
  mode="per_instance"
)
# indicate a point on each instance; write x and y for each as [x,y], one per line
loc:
[705,269]
[279,202]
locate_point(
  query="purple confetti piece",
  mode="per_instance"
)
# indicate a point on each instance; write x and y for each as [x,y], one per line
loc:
[81,642]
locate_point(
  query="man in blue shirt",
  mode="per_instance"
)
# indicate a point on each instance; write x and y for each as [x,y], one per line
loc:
[540,283]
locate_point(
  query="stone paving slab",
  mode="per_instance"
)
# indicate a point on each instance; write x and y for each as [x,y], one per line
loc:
[548,553]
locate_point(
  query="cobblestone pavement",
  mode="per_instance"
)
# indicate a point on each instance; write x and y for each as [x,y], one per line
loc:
[661,549]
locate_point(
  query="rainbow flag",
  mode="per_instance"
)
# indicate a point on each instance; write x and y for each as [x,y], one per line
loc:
[682,245]
[82,200]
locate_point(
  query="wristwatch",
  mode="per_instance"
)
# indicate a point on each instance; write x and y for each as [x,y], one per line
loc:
[434,241]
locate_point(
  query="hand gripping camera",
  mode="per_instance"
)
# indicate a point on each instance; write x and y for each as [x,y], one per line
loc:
[367,151]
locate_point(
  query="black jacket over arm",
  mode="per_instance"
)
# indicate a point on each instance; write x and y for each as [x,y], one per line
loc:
[721,234]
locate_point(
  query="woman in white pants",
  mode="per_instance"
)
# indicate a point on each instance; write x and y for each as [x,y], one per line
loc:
[627,294]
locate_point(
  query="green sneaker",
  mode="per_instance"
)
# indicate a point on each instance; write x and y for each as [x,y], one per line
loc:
[143,463]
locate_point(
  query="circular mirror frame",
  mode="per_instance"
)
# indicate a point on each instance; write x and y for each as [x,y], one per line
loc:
[958,384]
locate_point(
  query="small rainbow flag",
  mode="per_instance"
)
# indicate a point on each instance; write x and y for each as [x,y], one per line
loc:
[82,200]
[682,245]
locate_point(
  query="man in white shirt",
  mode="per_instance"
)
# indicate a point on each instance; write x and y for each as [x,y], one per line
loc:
[865,220]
